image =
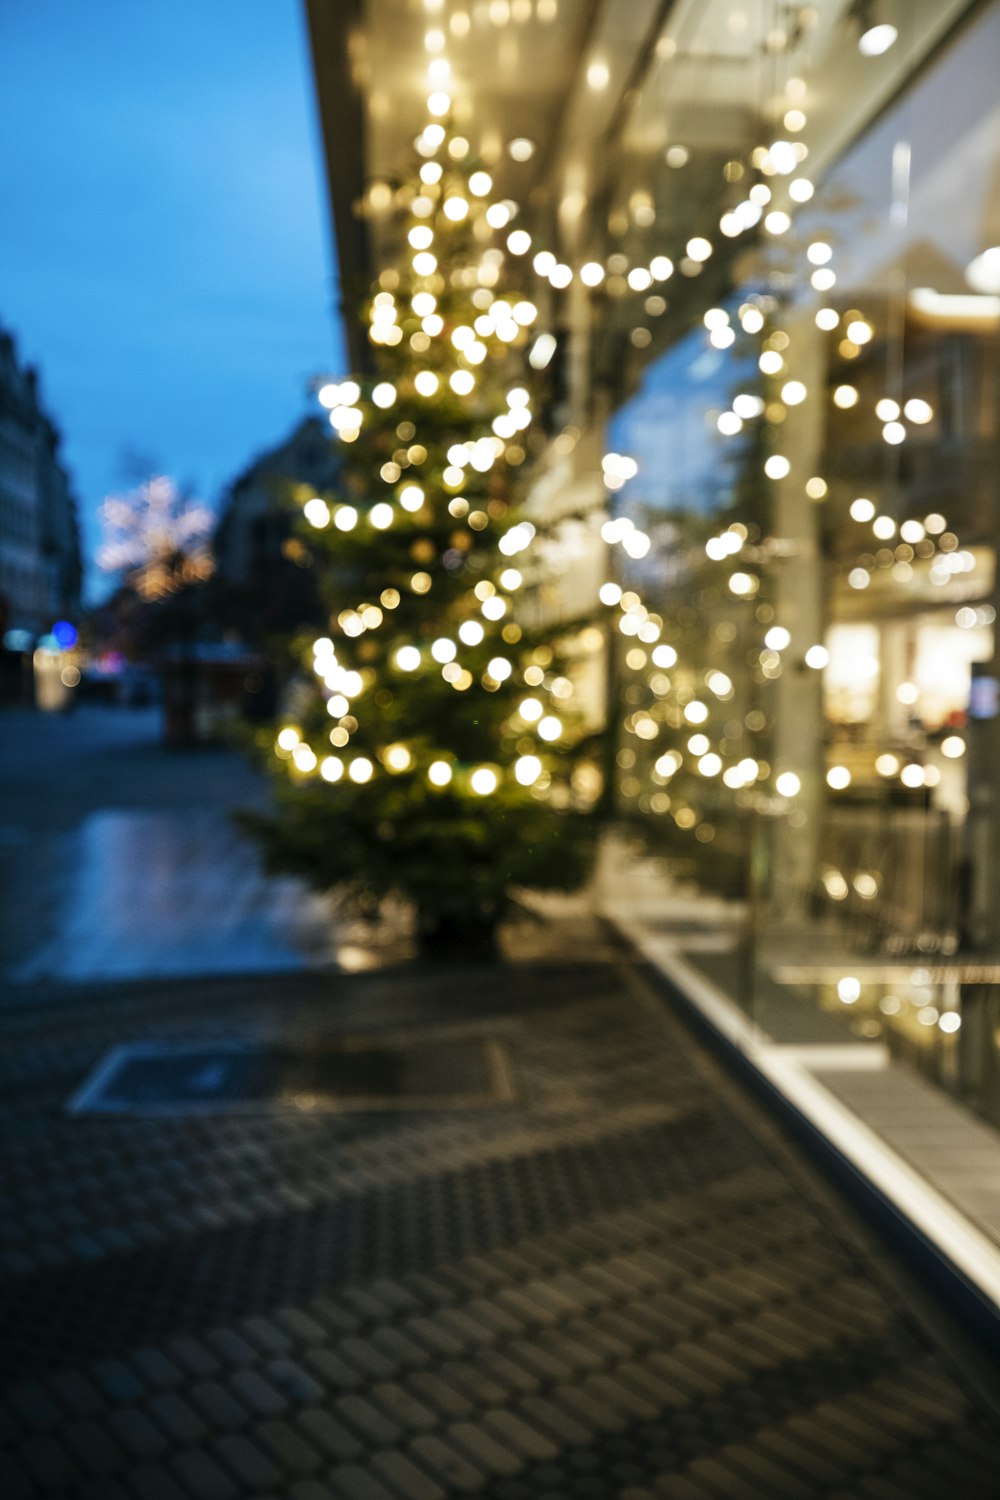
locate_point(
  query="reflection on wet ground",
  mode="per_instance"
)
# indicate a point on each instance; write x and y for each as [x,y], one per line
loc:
[119,858]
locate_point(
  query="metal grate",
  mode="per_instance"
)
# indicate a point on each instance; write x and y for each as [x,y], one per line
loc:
[153,1078]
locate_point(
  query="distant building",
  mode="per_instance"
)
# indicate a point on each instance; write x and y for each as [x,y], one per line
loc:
[262,584]
[40,568]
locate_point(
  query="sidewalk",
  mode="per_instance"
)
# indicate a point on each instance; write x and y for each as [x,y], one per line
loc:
[619,1282]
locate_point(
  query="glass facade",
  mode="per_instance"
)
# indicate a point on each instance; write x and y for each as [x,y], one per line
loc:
[803,476]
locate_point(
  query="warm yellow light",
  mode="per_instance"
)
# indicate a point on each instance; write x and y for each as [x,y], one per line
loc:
[817,657]
[862,509]
[331,768]
[550,728]
[793,392]
[845,396]
[360,770]
[698,249]
[777,467]
[519,242]
[398,758]
[456,209]
[771,362]
[953,747]
[887,765]
[411,497]
[788,784]
[425,382]
[304,758]
[462,382]
[838,777]
[444,650]
[384,394]
[480,184]
[345,518]
[439,773]
[288,738]
[317,512]
[695,712]
[380,516]
[483,781]
[407,658]
[592,273]
[438,103]
[710,765]
[499,669]
[470,632]
[527,769]
[859,332]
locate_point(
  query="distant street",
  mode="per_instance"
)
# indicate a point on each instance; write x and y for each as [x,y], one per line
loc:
[119,858]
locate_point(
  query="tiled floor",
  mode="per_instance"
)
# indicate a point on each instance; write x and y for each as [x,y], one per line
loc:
[622,1284]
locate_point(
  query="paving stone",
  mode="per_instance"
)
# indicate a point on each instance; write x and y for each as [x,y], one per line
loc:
[147,1483]
[478,1445]
[522,1436]
[15,1483]
[33,1407]
[406,1479]
[258,1395]
[402,1352]
[331,1370]
[508,1373]
[290,1451]
[247,1461]
[77,1393]
[252,1338]
[311,1489]
[554,1421]
[217,1406]
[438,1394]
[136,1433]
[302,1328]
[92,1446]
[200,1474]
[402,1407]
[448,1464]
[367,1358]
[193,1357]
[371,1424]
[232,1350]
[177,1419]
[117,1381]
[155,1369]
[48,1463]
[328,1435]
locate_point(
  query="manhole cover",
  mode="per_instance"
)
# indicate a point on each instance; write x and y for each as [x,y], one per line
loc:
[205,1078]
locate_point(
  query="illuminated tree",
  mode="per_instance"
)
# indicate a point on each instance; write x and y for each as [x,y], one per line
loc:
[436,750]
[156,538]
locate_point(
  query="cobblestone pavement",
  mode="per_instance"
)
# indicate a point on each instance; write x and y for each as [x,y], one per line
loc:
[624,1283]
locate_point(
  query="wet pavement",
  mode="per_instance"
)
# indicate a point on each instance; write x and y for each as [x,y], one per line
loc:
[121,858]
[613,1277]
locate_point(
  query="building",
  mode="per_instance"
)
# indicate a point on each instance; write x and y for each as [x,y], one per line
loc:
[259,581]
[40,567]
[765,246]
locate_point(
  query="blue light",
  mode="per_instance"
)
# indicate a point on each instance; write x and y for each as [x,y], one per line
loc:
[66,634]
[18,640]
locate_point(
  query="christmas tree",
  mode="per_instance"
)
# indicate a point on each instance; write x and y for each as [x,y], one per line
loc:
[436,750]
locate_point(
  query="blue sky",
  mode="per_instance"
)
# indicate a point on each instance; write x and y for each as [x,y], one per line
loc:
[165,255]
